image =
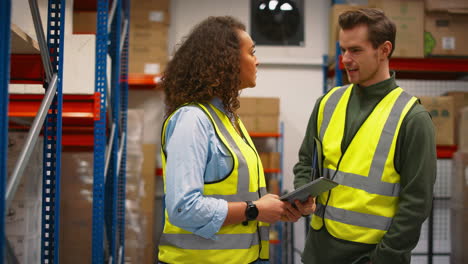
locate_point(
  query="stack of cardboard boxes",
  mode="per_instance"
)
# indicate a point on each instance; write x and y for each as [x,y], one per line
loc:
[445,26]
[148,34]
[260,114]
[149,23]
[424,27]
[459,200]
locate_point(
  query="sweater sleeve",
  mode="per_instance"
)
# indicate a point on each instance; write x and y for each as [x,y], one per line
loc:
[303,168]
[416,162]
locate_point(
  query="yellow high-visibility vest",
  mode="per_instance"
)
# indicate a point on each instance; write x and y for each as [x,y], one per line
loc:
[235,243]
[362,207]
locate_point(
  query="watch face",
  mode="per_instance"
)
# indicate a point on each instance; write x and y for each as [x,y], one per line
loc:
[252,212]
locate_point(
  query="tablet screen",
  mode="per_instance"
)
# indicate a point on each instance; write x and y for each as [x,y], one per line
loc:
[313,188]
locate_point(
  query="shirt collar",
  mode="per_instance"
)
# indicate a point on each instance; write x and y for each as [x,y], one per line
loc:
[216,101]
[379,89]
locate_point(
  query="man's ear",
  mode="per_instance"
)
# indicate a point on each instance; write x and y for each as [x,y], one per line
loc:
[386,49]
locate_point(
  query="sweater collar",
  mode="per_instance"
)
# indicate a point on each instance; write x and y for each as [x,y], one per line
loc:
[379,89]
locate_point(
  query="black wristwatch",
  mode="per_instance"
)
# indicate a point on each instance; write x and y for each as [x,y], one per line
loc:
[251,212]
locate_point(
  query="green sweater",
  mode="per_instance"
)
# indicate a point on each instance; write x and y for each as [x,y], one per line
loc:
[415,160]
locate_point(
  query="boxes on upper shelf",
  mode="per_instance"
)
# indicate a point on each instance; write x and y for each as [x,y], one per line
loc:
[149,23]
[445,34]
[445,5]
[408,16]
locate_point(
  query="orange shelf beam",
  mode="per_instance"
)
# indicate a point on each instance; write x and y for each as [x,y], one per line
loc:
[79,113]
[74,106]
[446,152]
[143,81]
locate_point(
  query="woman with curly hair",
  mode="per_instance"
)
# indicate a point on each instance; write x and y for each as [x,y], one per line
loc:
[217,207]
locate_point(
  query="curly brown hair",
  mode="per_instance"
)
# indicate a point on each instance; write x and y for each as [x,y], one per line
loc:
[206,65]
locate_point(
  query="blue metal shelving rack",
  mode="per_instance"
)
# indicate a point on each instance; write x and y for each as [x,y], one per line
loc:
[110,153]
[5,17]
[49,116]
[100,133]
[50,233]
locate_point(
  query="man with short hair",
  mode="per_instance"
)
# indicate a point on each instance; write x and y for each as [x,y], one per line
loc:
[378,143]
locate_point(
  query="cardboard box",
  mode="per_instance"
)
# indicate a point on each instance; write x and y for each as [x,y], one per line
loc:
[441,109]
[248,106]
[275,160]
[463,130]
[148,199]
[150,4]
[75,232]
[84,22]
[459,182]
[459,209]
[408,16]
[148,48]
[265,158]
[249,122]
[446,34]
[261,123]
[268,106]
[273,186]
[446,5]
[22,218]
[459,235]
[460,100]
[148,36]
[259,106]
[27,249]
[267,124]
[335,12]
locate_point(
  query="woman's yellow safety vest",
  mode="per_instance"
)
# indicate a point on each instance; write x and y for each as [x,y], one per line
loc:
[362,206]
[235,243]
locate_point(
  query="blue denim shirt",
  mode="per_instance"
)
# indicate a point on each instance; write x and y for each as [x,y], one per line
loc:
[195,155]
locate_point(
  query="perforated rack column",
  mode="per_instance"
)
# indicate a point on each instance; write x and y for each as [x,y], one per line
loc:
[100,133]
[123,140]
[5,20]
[50,234]
[112,174]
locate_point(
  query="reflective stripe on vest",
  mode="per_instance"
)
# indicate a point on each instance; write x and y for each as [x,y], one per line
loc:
[353,218]
[223,241]
[361,208]
[242,169]
[180,246]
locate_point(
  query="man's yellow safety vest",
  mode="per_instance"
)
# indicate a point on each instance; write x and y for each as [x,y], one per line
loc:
[362,207]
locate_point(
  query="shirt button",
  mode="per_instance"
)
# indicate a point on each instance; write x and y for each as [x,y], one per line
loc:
[179,210]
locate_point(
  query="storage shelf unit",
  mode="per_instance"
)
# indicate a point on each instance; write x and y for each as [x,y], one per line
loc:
[86,121]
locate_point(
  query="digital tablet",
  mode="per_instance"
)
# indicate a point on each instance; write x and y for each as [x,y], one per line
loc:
[313,188]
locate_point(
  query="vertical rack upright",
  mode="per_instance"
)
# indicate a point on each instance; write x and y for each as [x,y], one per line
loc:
[5,16]
[110,154]
[49,115]
[50,233]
